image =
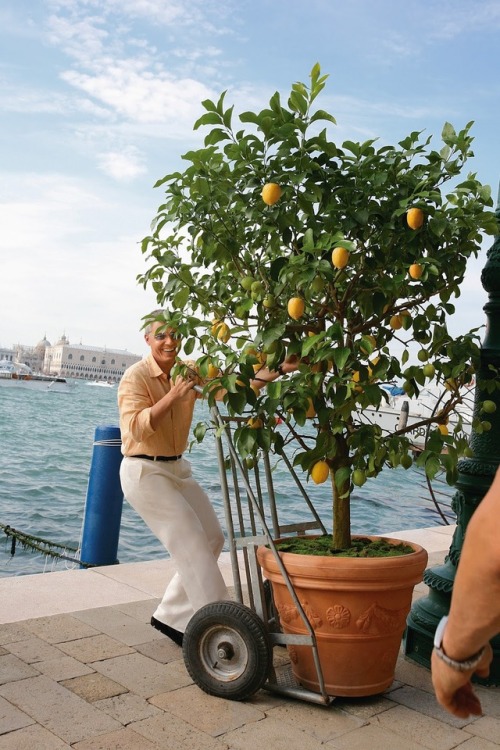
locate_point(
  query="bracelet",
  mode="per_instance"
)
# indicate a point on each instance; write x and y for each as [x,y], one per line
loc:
[280,370]
[460,666]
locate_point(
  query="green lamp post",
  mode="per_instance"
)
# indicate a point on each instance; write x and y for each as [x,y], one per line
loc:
[474,479]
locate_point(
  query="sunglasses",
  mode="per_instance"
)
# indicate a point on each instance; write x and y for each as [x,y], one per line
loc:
[163,336]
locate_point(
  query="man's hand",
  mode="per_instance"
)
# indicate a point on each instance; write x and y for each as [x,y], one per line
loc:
[181,386]
[454,689]
[290,364]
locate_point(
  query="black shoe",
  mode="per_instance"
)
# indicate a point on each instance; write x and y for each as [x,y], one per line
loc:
[175,635]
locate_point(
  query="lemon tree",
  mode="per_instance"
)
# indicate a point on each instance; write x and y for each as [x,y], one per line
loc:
[277,240]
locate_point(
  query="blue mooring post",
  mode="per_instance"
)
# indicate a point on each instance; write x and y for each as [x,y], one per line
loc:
[103,507]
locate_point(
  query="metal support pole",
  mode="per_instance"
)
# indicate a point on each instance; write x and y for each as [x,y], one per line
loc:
[474,479]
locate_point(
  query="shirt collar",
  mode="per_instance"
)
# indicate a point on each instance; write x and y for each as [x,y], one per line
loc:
[154,368]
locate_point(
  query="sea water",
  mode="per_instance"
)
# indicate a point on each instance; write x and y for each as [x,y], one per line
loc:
[46,444]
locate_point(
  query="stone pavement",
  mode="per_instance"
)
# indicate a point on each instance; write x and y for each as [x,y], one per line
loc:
[80,667]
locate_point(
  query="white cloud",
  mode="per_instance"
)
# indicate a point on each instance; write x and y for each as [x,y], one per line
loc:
[124,165]
[451,19]
[142,96]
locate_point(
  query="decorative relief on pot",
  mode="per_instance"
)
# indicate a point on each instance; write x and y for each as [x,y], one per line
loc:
[313,617]
[287,612]
[338,616]
[378,619]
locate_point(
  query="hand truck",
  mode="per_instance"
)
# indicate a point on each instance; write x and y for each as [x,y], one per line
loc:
[228,645]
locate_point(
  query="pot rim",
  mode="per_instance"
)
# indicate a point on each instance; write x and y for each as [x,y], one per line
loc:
[298,560]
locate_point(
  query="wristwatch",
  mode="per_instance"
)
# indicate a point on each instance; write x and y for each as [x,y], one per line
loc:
[461,666]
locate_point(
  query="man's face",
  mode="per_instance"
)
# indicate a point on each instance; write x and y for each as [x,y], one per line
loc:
[164,345]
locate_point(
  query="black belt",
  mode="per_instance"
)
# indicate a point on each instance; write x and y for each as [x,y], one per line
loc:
[158,458]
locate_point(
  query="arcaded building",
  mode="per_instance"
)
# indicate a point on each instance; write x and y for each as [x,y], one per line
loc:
[87,362]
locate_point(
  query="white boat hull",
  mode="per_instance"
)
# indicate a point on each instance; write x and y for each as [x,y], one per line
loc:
[53,385]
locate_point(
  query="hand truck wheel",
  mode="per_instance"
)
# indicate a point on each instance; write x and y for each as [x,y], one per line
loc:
[226,650]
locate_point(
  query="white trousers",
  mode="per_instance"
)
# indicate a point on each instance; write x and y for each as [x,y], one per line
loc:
[178,511]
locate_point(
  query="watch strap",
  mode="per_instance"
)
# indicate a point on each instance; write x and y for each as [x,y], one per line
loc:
[466,665]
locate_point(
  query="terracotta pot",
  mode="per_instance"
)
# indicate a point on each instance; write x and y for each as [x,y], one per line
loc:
[357,608]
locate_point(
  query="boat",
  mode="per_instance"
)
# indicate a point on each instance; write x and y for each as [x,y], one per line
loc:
[402,411]
[21,376]
[101,383]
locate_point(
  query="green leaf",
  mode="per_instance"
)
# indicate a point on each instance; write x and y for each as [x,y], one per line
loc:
[320,114]
[342,477]
[210,118]
[340,356]
[200,431]
[449,134]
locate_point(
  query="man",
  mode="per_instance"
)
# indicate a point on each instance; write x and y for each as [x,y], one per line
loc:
[156,412]
[462,639]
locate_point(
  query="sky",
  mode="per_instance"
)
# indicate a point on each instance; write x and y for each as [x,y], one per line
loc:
[99,98]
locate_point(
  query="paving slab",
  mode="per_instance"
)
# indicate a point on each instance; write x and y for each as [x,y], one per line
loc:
[411,725]
[322,722]
[118,625]
[425,703]
[63,668]
[59,629]
[33,650]
[168,732]
[95,648]
[57,709]
[476,743]
[12,718]
[486,727]
[127,708]
[34,737]
[144,676]
[271,733]
[212,715]
[124,739]
[93,687]
[12,669]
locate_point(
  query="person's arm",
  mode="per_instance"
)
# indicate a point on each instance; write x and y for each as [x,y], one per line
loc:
[265,376]
[474,616]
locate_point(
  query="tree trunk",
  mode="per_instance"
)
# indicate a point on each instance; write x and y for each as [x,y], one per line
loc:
[341,499]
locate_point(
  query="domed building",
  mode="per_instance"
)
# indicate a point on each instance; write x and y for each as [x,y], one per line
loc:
[33,356]
[39,353]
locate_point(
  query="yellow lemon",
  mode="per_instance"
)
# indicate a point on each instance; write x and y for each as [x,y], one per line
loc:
[311,411]
[443,429]
[223,332]
[340,257]
[416,271]
[296,307]
[255,423]
[212,371]
[271,193]
[215,324]
[396,322]
[415,218]
[320,472]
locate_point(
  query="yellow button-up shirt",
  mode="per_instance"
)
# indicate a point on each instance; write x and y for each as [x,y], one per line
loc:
[142,386]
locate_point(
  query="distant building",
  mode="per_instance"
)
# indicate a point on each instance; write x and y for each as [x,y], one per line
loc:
[8,355]
[32,356]
[87,362]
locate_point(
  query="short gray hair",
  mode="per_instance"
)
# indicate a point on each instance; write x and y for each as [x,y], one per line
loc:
[152,317]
